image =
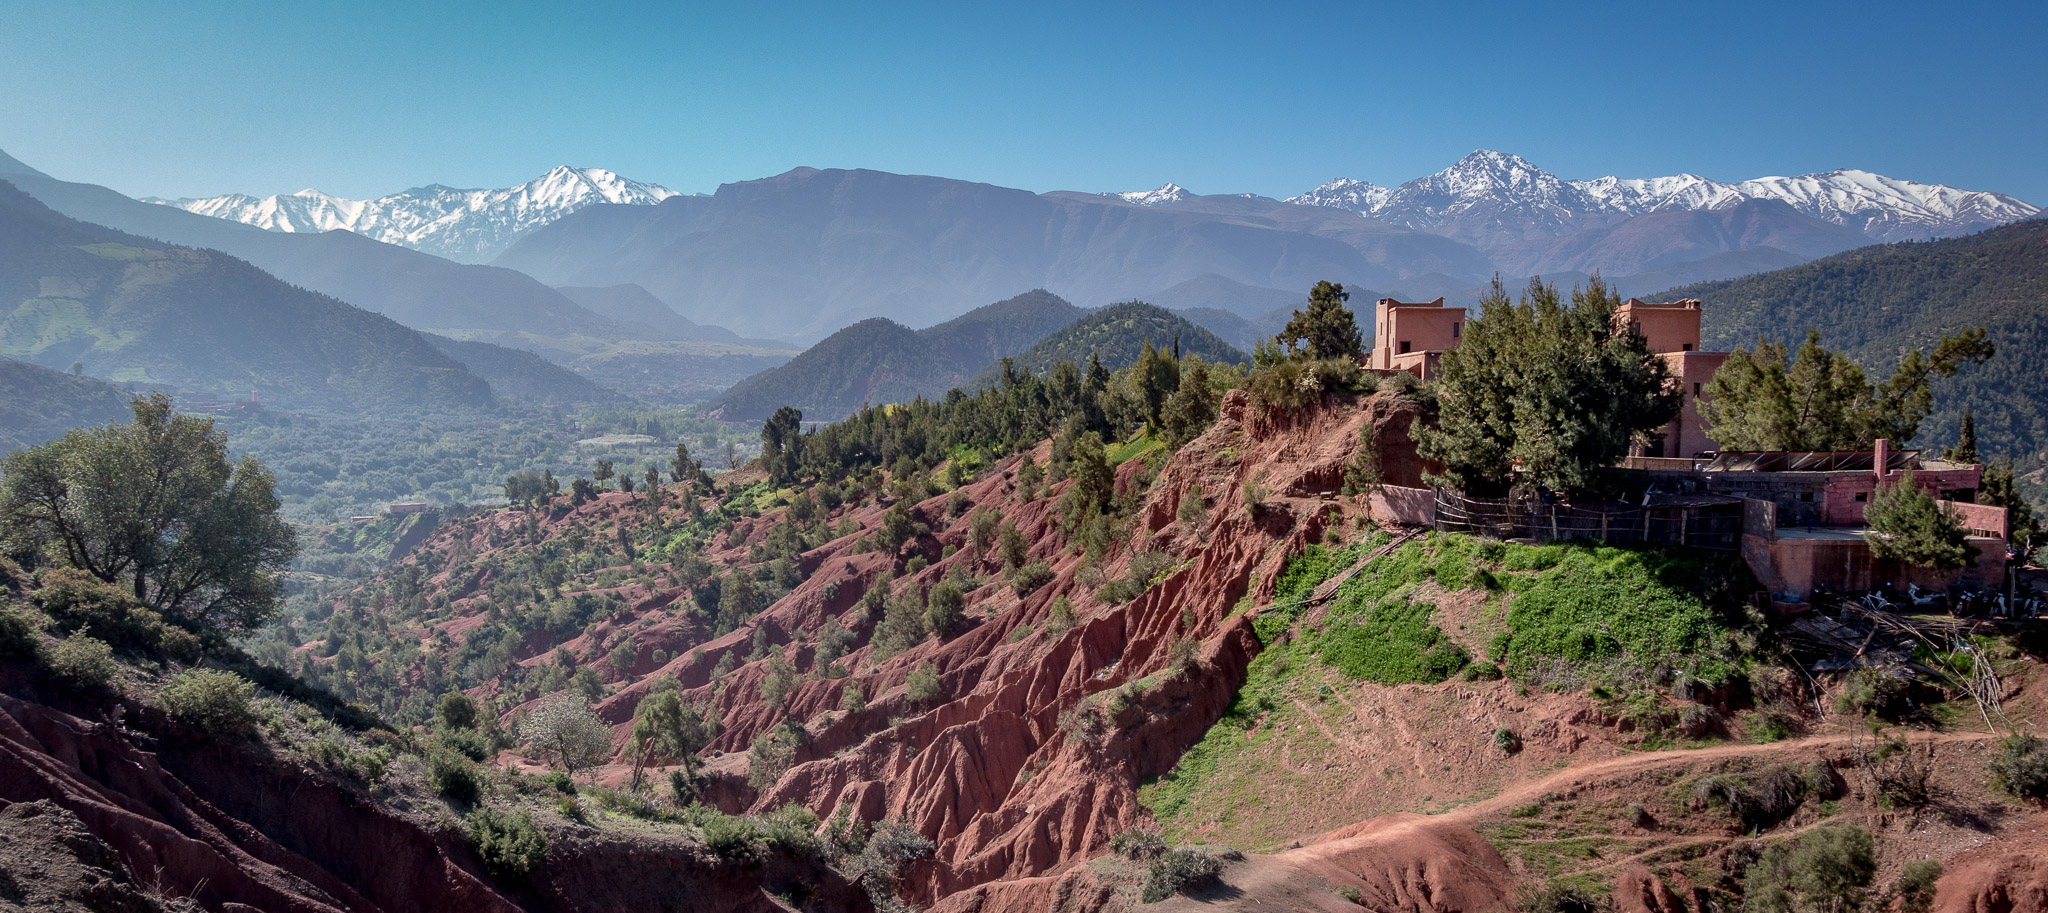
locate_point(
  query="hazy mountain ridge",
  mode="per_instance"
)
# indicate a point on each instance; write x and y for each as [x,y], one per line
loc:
[419,290]
[467,226]
[37,403]
[133,309]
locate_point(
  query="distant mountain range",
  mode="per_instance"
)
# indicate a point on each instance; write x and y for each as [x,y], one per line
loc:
[466,226]
[1491,198]
[128,308]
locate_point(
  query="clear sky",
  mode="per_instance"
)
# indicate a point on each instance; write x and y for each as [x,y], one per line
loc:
[372,96]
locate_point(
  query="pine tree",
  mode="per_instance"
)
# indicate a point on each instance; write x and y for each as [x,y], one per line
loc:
[1908,525]
[1965,450]
[1327,329]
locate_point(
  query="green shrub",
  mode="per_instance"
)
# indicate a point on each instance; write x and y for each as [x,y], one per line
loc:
[1879,694]
[457,711]
[1561,896]
[1915,887]
[733,838]
[924,685]
[1180,871]
[1138,843]
[453,776]
[793,831]
[217,702]
[1390,643]
[20,637]
[2021,768]
[1829,868]
[83,660]
[1028,578]
[76,600]
[467,742]
[509,845]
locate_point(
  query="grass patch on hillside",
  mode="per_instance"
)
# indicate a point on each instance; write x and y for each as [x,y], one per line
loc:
[1579,610]
[1142,445]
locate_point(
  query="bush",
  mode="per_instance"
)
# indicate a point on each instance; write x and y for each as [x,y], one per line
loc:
[1915,888]
[509,845]
[453,776]
[217,702]
[1180,871]
[83,660]
[1028,578]
[1505,741]
[79,601]
[468,743]
[457,711]
[1880,694]
[1827,869]
[733,838]
[946,608]
[924,685]
[19,634]
[1561,897]
[1138,843]
[793,831]
[2022,768]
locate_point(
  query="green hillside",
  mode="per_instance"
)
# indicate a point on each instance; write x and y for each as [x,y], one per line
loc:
[133,309]
[1877,302]
[1117,334]
[880,361]
[37,404]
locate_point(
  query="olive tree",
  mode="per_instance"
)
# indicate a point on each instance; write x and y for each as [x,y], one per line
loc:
[564,727]
[154,506]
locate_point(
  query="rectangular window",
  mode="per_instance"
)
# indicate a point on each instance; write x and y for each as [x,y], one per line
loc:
[1685,347]
[1862,497]
[1454,329]
[1806,496]
[1404,346]
[1695,391]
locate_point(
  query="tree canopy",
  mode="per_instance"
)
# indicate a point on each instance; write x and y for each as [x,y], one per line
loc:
[1908,525]
[1327,329]
[1819,399]
[153,506]
[1544,393]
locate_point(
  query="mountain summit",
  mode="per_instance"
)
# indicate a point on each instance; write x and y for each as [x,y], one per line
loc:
[467,226]
[1490,198]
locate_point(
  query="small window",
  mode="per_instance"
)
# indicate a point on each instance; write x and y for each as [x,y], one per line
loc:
[1685,347]
[1695,391]
[1806,496]
[1404,346]
[1862,496]
[1454,329]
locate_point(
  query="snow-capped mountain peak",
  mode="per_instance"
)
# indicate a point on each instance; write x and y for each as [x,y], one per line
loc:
[1489,197]
[1166,193]
[1344,193]
[470,226]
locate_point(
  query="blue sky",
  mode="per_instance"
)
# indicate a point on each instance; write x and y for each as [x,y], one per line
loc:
[369,97]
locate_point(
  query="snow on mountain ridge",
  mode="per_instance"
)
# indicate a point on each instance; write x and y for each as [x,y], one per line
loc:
[1168,192]
[1488,193]
[466,225]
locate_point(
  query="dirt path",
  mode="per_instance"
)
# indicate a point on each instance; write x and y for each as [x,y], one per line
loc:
[1298,879]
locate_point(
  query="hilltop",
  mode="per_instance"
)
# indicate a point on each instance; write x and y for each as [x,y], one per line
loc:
[881,361]
[39,403]
[1117,335]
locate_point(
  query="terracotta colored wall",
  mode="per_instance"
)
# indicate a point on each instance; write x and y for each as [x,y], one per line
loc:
[1840,507]
[1406,506]
[1426,328]
[1686,436]
[1667,329]
[1796,566]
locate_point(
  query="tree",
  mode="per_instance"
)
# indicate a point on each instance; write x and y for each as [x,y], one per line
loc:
[564,726]
[1327,329]
[154,506]
[1156,375]
[945,608]
[1818,399]
[525,487]
[1965,450]
[1999,488]
[1543,394]
[1192,409]
[665,728]
[782,445]
[1908,525]
[457,711]
[601,472]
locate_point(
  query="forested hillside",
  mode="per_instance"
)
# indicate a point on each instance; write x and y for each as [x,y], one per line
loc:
[1877,302]
[1117,335]
[880,361]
